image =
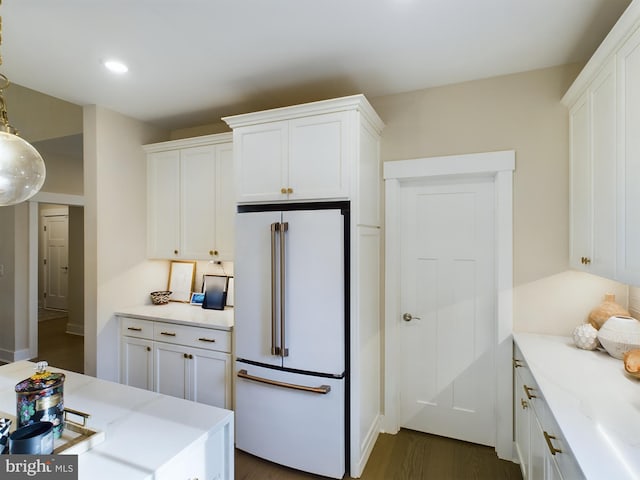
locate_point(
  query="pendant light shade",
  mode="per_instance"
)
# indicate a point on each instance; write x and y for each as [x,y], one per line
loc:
[22,170]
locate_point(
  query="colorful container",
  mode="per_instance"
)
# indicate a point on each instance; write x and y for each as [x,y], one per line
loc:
[39,398]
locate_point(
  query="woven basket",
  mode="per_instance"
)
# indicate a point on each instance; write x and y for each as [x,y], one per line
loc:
[160,297]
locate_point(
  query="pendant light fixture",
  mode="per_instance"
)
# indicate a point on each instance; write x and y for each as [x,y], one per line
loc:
[22,169]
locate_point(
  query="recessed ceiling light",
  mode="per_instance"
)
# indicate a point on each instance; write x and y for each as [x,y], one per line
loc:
[116,66]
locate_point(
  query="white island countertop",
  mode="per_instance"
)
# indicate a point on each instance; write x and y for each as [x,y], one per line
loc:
[595,403]
[147,435]
[182,313]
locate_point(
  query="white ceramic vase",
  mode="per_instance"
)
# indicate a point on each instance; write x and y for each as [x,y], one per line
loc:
[620,334]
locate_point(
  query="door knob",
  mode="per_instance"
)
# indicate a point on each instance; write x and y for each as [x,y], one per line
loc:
[407,317]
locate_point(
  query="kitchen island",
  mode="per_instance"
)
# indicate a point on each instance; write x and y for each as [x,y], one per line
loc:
[148,435]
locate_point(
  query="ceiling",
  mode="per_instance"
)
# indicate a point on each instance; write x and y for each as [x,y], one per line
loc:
[193,61]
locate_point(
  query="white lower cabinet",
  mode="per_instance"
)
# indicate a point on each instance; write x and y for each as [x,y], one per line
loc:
[539,443]
[193,363]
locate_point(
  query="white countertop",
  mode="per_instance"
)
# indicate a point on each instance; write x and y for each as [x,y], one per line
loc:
[595,403]
[143,430]
[182,313]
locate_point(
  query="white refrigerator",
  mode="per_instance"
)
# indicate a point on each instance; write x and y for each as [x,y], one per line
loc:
[291,327]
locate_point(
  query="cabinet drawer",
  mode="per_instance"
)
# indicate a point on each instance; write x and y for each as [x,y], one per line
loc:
[135,327]
[193,336]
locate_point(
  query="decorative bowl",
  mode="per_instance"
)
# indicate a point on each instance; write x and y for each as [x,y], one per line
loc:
[160,297]
[632,363]
[620,334]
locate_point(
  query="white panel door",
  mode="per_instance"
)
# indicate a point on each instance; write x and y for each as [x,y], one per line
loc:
[209,374]
[57,262]
[225,213]
[448,296]
[314,315]
[253,312]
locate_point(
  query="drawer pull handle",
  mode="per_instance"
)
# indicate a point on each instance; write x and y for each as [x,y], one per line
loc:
[552,449]
[322,389]
[168,334]
[135,329]
[210,340]
[528,391]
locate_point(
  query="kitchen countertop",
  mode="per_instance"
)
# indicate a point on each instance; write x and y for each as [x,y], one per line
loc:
[182,313]
[595,403]
[144,430]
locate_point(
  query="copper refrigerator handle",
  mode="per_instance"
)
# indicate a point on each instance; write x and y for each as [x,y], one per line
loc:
[274,349]
[322,389]
[284,227]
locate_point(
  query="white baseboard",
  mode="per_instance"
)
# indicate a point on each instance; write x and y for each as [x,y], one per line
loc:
[10,356]
[75,329]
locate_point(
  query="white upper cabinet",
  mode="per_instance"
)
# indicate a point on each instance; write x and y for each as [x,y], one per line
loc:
[191,201]
[604,105]
[308,152]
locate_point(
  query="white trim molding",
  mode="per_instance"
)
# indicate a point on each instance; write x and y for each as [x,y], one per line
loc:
[499,165]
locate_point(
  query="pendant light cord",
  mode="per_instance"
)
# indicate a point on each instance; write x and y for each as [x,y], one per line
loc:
[4,83]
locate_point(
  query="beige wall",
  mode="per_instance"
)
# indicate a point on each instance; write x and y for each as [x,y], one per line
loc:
[520,112]
[117,272]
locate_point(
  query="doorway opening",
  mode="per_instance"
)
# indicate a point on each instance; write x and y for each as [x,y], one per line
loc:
[60,290]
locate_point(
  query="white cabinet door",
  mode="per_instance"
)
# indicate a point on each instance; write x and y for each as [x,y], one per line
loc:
[136,362]
[171,370]
[163,204]
[225,203]
[318,166]
[628,253]
[593,177]
[603,143]
[210,377]
[260,153]
[198,199]
[522,414]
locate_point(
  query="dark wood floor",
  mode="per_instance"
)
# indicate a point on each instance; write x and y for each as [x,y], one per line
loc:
[58,348]
[408,455]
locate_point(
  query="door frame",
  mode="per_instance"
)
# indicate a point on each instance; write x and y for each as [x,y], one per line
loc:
[500,166]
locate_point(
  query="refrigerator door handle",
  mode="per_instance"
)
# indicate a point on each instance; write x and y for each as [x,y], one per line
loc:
[275,350]
[322,389]
[284,351]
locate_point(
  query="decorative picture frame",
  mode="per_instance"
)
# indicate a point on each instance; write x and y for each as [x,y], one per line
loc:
[182,276]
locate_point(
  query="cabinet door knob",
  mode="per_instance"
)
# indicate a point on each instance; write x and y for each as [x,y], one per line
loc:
[175,252]
[289,190]
[517,363]
[185,355]
[148,349]
[283,191]
[213,253]
[524,404]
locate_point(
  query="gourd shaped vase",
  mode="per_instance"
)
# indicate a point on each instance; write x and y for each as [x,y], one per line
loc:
[607,309]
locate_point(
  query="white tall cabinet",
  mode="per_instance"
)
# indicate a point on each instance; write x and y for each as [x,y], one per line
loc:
[604,112]
[191,199]
[326,151]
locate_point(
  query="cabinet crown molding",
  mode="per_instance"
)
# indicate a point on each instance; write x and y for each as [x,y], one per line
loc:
[189,142]
[626,25]
[354,102]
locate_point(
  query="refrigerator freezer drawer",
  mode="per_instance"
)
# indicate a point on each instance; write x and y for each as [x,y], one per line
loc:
[300,428]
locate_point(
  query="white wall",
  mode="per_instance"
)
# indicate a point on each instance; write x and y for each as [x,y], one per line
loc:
[117,273]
